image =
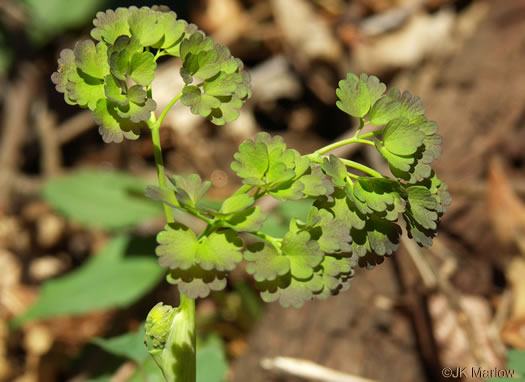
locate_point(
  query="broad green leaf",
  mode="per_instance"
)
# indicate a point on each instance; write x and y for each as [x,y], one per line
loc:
[103,199]
[211,361]
[252,161]
[201,64]
[110,279]
[50,18]
[129,345]
[147,371]
[516,361]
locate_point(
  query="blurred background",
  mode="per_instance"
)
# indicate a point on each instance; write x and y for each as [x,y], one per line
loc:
[77,267]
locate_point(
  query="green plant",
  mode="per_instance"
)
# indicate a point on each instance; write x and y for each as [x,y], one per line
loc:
[352,220]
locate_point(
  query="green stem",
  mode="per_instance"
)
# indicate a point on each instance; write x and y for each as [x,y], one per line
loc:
[244,189]
[316,158]
[178,362]
[354,139]
[361,167]
[344,142]
[372,134]
[276,243]
[182,366]
[167,108]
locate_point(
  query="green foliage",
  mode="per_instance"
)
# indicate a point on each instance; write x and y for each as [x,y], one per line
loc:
[352,220]
[113,77]
[49,18]
[86,289]
[129,345]
[515,368]
[211,358]
[101,199]
[358,94]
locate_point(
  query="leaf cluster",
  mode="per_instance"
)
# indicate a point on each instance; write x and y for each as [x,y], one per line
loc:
[354,221]
[113,75]
[408,140]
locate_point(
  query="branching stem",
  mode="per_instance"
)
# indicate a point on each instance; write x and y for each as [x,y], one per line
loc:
[355,139]
[187,305]
[167,108]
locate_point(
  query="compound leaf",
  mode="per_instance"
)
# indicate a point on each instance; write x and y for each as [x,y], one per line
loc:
[113,90]
[385,110]
[189,189]
[265,263]
[180,249]
[290,291]
[236,203]
[112,127]
[177,247]
[248,220]
[332,234]
[196,282]
[200,103]
[354,96]
[402,138]
[110,25]
[336,169]
[316,183]
[304,254]
[375,87]
[142,68]
[91,59]
[342,208]
[143,26]
[411,106]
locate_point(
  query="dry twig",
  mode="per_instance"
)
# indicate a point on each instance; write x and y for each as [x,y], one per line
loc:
[308,370]
[16,112]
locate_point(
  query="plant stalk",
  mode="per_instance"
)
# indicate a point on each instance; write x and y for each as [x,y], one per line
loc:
[180,364]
